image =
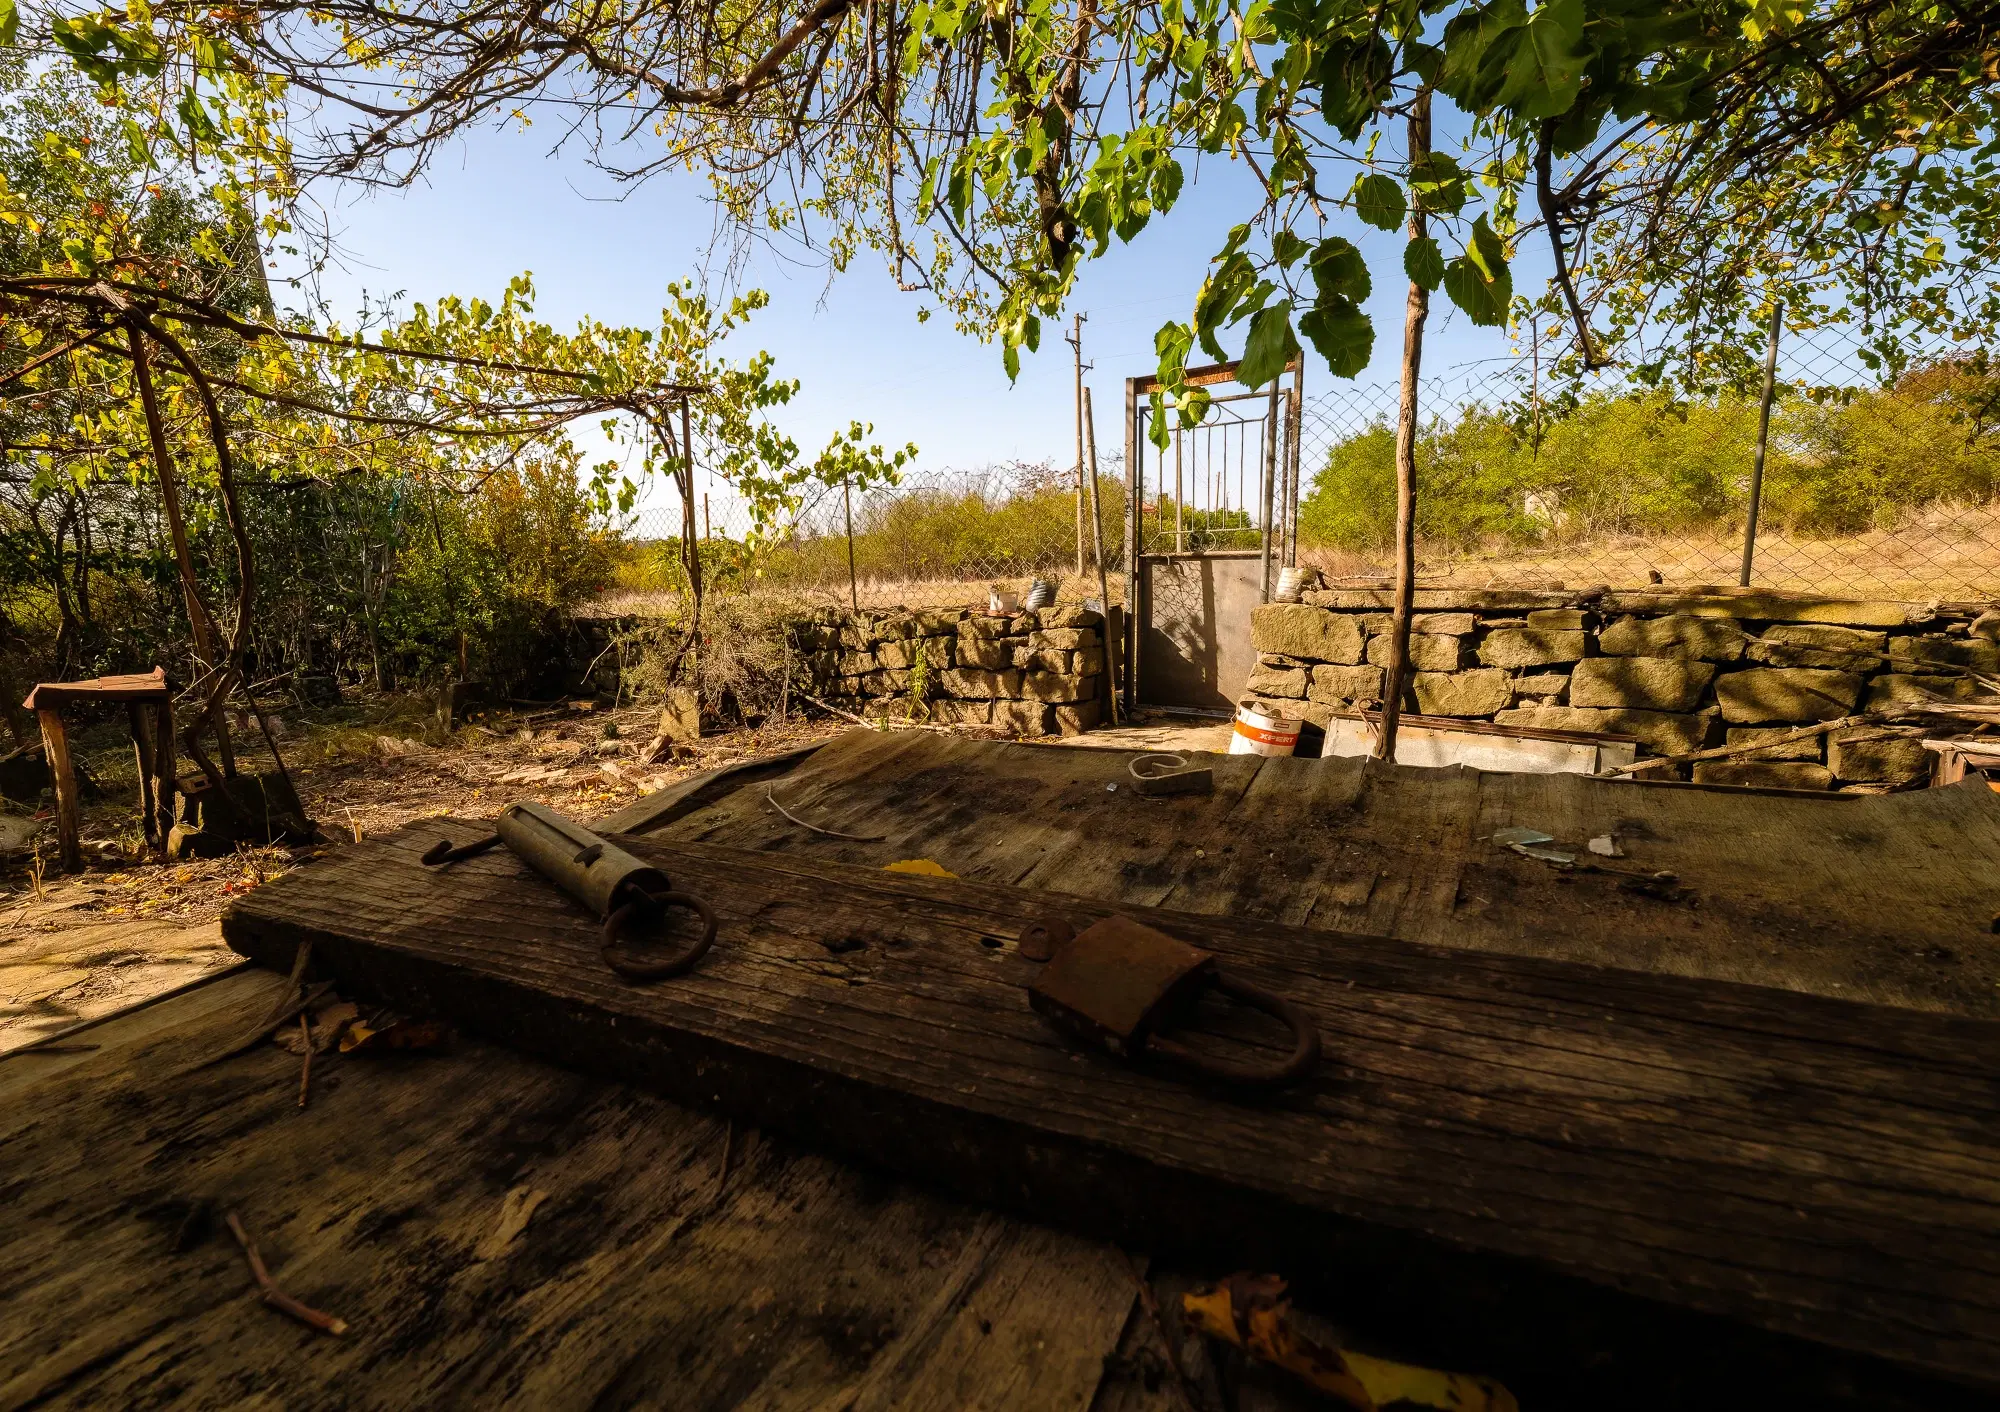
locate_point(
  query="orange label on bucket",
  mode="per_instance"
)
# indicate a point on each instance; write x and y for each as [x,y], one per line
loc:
[1264,737]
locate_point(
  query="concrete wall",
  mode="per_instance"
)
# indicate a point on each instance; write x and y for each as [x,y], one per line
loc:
[1033,673]
[1679,670]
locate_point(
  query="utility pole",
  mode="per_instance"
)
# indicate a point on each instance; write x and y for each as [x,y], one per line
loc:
[1075,337]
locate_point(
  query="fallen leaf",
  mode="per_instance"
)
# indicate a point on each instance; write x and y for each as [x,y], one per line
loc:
[517,1208]
[922,867]
[393,1032]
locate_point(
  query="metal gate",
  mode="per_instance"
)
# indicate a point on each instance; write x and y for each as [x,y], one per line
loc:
[1211,520]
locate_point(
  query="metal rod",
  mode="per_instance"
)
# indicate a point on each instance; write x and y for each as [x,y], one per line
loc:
[1180,517]
[1270,480]
[1763,438]
[1135,494]
[1097,548]
[847,504]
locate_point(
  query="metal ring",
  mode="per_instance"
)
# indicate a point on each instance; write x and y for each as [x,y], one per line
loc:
[653,905]
[1305,1040]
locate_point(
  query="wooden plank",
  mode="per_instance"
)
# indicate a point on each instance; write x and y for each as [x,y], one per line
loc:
[1869,899]
[137,686]
[1609,1147]
[639,1278]
[663,806]
[55,746]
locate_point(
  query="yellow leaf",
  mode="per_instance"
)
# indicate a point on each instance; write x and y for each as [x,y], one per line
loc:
[923,867]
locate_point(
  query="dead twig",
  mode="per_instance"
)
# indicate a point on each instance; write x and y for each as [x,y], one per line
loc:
[255,1037]
[844,715]
[830,833]
[268,1287]
[1152,1308]
[305,1069]
[722,1175]
[1724,752]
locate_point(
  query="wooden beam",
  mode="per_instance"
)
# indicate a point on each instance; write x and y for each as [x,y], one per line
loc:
[55,744]
[143,742]
[663,806]
[1578,1169]
[166,778]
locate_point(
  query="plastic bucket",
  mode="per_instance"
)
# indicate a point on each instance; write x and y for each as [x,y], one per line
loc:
[1291,583]
[1003,600]
[1263,730]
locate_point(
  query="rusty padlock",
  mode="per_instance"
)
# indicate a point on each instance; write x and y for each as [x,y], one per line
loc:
[1118,984]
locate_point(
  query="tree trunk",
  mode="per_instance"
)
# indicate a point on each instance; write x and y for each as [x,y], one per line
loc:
[170,500]
[1415,312]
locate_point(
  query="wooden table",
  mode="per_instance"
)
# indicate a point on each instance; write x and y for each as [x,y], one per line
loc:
[648,1275]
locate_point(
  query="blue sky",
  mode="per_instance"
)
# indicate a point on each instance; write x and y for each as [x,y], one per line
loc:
[498,203]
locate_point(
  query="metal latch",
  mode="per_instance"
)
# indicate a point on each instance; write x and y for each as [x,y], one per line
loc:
[1118,985]
[618,888]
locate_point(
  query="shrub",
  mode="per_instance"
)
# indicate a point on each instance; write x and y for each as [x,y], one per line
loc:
[1646,464]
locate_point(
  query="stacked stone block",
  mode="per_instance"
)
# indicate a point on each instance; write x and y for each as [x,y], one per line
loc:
[1030,673]
[1680,671]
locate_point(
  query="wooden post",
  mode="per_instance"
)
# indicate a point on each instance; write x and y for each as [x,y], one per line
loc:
[1416,311]
[142,757]
[56,745]
[166,783]
[1763,440]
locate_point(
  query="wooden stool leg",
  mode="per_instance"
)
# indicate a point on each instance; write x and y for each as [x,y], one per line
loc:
[56,744]
[165,783]
[142,756]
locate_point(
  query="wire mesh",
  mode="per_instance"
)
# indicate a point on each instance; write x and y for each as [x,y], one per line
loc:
[936,539]
[1881,481]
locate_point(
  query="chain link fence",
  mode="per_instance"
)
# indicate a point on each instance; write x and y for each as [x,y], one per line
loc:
[1877,483]
[936,539]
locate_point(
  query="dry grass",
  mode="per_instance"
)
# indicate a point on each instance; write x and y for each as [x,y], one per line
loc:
[1942,554]
[873,593]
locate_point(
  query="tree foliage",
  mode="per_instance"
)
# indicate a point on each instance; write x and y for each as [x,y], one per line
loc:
[1689,163]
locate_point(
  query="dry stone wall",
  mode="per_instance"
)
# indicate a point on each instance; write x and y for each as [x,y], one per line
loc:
[1030,673]
[1680,671]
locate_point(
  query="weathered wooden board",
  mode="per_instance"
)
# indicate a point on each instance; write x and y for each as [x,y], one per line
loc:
[1887,899]
[642,1277]
[1609,1146]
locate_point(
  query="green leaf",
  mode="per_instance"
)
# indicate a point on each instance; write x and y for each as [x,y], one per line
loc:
[1341,333]
[10,22]
[1287,247]
[1487,250]
[1270,346]
[1438,183]
[1378,200]
[1423,262]
[1546,72]
[1479,281]
[1338,269]
[1354,79]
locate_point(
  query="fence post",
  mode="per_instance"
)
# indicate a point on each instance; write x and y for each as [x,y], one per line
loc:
[1111,654]
[1075,341]
[1763,439]
[847,505]
[1270,481]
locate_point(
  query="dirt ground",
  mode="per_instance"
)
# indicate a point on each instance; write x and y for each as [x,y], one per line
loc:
[128,929]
